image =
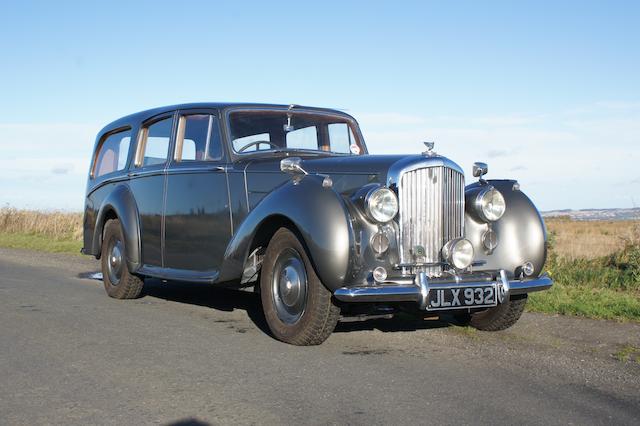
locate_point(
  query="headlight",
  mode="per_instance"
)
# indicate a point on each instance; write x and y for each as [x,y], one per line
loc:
[458,253]
[382,204]
[490,204]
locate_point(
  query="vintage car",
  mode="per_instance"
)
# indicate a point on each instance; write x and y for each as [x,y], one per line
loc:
[286,200]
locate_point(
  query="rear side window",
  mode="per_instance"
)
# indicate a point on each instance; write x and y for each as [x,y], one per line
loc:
[155,142]
[198,138]
[112,154]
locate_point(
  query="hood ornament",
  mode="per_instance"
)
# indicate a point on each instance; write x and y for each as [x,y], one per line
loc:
[429,152]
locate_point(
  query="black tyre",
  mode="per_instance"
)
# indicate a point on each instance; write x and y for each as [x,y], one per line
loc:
[118,281]
[501,317]
[298,308]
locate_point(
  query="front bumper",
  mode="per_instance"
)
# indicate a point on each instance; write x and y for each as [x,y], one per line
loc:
[417,290]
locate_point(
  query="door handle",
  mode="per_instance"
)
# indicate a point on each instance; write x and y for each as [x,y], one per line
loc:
[217,168]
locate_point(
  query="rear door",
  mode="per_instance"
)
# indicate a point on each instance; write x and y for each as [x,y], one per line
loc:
[197,216]
[147,180]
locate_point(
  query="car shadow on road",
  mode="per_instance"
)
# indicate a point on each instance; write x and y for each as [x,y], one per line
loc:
[221,299]
[228,300]
[400,322]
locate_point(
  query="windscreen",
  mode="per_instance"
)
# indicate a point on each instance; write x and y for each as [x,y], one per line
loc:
[253,131]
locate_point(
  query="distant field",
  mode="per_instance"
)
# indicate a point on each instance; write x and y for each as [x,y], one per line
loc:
[595,264]
[591,239]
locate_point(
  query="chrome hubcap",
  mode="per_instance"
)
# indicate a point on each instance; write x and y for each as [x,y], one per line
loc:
[115,261]
[289,286]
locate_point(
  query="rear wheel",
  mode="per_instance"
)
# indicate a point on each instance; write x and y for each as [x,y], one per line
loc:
[118,281]
[298,308]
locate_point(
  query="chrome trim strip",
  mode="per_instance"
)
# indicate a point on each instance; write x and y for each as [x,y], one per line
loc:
[418,290]
[205,168]
[207,277]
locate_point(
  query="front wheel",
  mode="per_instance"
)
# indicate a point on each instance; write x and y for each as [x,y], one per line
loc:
[298,308]
[499,318]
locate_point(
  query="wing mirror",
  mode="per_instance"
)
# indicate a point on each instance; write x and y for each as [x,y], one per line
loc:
[292,165]
[480,169]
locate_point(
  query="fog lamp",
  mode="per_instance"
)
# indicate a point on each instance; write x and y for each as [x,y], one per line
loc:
[379,274]
[458,253]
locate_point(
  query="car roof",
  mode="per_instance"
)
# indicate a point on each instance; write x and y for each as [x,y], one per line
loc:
[138,117]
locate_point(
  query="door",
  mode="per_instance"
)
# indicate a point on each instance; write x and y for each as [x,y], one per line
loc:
[197,215]
[147,181]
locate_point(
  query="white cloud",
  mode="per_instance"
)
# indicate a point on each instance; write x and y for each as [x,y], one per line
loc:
[562,160]
[580,158]
[45,165]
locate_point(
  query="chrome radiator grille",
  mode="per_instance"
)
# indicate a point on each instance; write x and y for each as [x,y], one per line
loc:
[431,213]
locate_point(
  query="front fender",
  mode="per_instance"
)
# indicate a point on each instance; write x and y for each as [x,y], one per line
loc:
[121,202]
[521,232]
[319,214]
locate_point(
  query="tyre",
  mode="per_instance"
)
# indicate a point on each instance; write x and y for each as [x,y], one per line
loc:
[118,281]
[298,308]
[501,317]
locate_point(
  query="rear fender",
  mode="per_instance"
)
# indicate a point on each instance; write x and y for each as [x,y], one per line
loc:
[121,203]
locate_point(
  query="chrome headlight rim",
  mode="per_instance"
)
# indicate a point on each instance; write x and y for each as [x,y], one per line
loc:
[485,211]
[375,211]
[458,253]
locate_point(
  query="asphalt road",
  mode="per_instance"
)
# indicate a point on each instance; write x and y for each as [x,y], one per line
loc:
[192,354]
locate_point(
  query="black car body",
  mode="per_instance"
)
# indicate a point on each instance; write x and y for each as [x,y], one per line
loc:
[197,193]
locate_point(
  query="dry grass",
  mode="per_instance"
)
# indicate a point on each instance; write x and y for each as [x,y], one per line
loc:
[591,239]
[56,225]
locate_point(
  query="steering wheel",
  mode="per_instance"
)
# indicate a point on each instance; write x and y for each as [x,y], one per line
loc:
[256,143]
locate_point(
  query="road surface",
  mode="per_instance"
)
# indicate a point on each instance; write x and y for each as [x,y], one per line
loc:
[189,354]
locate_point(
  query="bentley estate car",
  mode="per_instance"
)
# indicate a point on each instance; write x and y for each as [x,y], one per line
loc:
[287,201]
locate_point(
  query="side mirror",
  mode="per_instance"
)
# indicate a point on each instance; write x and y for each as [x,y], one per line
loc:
[292,165]
[480,169]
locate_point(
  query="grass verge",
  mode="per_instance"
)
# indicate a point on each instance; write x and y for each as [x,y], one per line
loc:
[607,287]
[40,242]
[598,303]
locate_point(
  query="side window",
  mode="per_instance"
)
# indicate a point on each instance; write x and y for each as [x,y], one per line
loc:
[112,153]
[341,137]
[198,138]
[215,141]
[156,142]
[305,138]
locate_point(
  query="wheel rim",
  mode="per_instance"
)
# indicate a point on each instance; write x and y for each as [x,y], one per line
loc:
[289,287]
[115,262]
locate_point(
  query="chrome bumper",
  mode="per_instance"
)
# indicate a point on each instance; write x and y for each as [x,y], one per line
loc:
[418,289]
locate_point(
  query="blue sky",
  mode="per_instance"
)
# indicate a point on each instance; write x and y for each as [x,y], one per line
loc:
[545,92]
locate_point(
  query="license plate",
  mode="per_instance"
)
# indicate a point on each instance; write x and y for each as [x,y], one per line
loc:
[461,297]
